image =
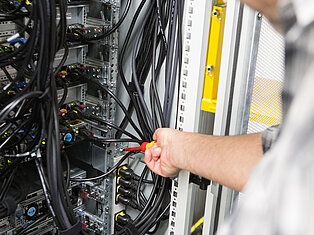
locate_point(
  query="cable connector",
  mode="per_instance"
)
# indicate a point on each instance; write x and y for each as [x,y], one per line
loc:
[126,183]
[125,172]
[133,89]
[122,218]
[126,192]
[126,201]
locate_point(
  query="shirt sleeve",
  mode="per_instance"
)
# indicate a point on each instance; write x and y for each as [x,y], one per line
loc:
[269,136]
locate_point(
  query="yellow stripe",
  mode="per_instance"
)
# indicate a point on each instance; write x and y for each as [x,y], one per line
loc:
[198,223]
[120,213]
[122,167]
[264,119]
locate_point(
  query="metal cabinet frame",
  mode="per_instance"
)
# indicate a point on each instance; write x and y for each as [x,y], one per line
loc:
[235,84]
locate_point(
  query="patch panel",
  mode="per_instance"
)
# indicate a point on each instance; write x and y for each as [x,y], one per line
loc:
[97,72]
[75,94]
[4,35]
[95,109]
[100,11]
[76,14]
[84,59]
[99,52]
[7,26]
[76,55]
[92,191]
[34,207]
[3,77]
[91,223]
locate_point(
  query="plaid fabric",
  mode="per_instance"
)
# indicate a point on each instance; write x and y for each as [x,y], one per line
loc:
[279,197]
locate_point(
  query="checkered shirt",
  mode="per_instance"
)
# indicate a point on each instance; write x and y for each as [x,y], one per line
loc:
[279,197]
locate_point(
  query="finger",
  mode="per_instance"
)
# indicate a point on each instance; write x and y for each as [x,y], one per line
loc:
[155,136]
[155,158]
[151,163]
[155,151]
[163,170]
[157,167]
[149,160]
[148,157]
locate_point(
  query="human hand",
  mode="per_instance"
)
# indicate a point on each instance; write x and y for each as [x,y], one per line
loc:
[164,157]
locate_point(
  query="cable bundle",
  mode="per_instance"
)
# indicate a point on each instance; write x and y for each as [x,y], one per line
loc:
[29,122]
[158,43]
[28,103]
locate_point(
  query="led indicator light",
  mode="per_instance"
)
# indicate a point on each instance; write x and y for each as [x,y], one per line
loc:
[31,211]
[68,137]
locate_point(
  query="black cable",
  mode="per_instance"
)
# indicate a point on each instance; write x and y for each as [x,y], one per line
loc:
[159,217]
[138,190]
[114,28]
[101,140]
[148,39]
[6,110]
[33,60]
[64,58]
[65,93]
[24,110]
[68,168]
[120,104]
[92,118]
[113,169]
[121,57]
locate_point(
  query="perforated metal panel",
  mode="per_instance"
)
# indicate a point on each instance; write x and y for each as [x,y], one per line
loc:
[265,107]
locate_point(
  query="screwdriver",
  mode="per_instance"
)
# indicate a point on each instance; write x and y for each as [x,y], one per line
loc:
[143,147]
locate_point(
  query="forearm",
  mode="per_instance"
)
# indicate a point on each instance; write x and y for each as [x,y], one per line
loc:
[227,160]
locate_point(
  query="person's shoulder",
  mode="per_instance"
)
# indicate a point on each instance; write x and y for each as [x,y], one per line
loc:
[296,13]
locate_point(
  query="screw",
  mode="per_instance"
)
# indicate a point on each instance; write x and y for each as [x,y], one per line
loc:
[210,68]
[216,13]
